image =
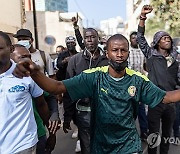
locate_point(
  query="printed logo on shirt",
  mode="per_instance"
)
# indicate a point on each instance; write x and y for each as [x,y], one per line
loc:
[17,88]
[36,60]
[106,91]
[132,90]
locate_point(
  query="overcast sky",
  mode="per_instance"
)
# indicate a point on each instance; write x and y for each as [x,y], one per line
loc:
[96,10]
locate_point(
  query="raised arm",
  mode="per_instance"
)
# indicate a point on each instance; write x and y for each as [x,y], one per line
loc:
[27,68]
[145,48]
[77,32]
[48,84]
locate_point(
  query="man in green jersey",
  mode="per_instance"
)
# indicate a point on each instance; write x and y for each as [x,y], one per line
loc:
[115,93]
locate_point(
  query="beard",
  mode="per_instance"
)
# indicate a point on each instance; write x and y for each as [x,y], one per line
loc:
[118,67]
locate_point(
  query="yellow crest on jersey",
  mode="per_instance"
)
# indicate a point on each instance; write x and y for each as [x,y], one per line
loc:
[132,90]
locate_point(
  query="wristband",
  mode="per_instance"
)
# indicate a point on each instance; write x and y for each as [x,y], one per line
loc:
[142,17]
[76,27]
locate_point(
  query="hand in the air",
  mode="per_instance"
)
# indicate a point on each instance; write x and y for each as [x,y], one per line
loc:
[146,10]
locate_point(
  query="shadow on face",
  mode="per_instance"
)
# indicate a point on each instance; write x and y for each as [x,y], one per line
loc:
[91,39]
[19,53]
[5,49]
[117,48]
[165,43]
[59,49]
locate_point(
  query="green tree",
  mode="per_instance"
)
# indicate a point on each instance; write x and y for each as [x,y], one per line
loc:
[166,17]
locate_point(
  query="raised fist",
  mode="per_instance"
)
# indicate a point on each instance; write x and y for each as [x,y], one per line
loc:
[75,20]
[146,9]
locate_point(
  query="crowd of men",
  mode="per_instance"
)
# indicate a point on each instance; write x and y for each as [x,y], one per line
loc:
[104,88]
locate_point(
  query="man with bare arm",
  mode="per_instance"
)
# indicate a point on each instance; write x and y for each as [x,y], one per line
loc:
[112,89]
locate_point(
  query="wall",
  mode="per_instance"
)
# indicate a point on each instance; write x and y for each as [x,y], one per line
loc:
[11,15]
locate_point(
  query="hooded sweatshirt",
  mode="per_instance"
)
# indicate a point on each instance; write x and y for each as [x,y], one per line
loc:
[162,71]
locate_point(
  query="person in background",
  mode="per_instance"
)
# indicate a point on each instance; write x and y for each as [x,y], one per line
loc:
[102,43]
[42,58]
[102,40]
[63,57]
[176,124]
[136,62]
[77,33]
[62,63]
[91,57]
[162,71]
[59,49]
[113,90]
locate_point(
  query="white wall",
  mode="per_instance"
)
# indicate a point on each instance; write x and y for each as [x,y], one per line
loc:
[48,24]
[10,18]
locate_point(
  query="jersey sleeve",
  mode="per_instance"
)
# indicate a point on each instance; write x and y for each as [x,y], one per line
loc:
[151,95]
[80,86]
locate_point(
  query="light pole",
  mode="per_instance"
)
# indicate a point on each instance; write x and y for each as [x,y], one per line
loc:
[35,25]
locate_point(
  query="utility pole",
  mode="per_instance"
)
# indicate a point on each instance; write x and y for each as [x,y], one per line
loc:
[35,26]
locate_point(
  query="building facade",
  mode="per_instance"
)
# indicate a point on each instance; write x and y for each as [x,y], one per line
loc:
[133,10]
[12,16]
[48,5]
[52,5]
[53,28]
[112,26]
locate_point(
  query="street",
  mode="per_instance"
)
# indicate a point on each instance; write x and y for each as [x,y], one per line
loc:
[66,145]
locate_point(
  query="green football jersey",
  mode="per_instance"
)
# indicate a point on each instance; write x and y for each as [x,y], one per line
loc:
[113,127]
[41,130]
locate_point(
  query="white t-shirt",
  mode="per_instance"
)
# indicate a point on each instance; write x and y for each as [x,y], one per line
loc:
[36,58]
[18,130]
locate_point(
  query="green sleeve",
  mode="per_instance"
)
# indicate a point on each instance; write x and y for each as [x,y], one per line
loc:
[41,130]
[151,95]
[46,93]
[80,86]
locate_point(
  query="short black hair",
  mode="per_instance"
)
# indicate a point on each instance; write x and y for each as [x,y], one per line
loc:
[59,46]
[90,29]
[114,37]
[133,33]
[6,38]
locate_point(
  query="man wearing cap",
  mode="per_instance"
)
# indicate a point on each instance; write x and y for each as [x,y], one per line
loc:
[162,71]
[64,57]
[62,61]
[25,38]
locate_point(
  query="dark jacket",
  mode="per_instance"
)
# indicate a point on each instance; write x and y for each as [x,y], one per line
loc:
[79,39]
[158,72]
[78,63]
[61,73]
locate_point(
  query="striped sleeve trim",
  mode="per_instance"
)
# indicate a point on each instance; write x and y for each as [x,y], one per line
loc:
[132,72]
[100,69]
